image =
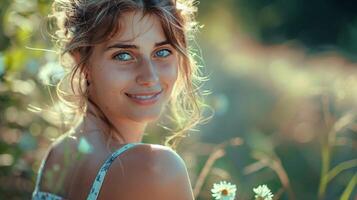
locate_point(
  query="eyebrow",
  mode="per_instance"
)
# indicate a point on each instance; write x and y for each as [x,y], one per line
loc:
[133,46]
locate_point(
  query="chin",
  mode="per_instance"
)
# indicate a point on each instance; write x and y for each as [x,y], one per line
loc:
[145,120]
[145,117]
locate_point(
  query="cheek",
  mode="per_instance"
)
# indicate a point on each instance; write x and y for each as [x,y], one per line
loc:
[169,73]
[110,81]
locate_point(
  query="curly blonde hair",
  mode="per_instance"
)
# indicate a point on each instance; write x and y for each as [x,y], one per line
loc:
[75,22]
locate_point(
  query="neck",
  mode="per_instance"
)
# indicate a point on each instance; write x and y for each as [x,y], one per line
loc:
[121,130]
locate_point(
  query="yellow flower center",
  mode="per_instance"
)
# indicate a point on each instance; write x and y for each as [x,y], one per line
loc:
[224,192]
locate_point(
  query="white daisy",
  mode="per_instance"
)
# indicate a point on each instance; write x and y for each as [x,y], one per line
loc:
[262,192]
[224,191]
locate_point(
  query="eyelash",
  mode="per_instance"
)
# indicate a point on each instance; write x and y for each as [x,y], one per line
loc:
[121,53]
[132,57]
[167,50]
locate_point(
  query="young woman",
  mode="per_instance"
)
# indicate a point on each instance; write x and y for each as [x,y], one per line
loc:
[130,60]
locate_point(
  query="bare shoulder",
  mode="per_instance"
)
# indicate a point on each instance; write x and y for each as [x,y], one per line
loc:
[58,164]
[148,171]
[61,151]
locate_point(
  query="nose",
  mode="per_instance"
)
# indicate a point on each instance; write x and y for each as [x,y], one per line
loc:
[148,75]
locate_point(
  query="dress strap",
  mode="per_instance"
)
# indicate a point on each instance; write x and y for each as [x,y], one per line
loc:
[40,171]
[97,184]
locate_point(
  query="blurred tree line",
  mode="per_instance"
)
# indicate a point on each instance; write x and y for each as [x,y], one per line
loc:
[319,25]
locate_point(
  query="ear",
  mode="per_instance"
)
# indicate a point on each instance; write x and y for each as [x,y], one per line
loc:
[77,59]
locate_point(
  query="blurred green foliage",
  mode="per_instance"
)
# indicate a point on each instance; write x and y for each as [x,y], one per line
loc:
[293,111]
[320,25]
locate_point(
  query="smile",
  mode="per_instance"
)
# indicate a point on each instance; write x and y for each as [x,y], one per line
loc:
[145,98]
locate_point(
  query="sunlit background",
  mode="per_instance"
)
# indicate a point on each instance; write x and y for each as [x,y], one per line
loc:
[283,82]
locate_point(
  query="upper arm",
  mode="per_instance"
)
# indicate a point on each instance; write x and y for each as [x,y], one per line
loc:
[150,172]
[171,168]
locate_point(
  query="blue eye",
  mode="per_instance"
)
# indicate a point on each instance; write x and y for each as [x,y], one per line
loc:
[163,53]
[123,56]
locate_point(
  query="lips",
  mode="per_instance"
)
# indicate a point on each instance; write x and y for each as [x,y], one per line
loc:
[143,94]
[144,98]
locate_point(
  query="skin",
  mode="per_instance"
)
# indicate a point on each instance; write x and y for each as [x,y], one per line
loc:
[154,170]
[147,64]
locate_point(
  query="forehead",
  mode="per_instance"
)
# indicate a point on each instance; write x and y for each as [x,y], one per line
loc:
[134,26]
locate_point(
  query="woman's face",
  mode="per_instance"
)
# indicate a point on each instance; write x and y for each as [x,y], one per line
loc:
[132,75]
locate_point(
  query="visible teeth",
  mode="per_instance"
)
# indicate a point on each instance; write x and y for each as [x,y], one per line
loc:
[143,97]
